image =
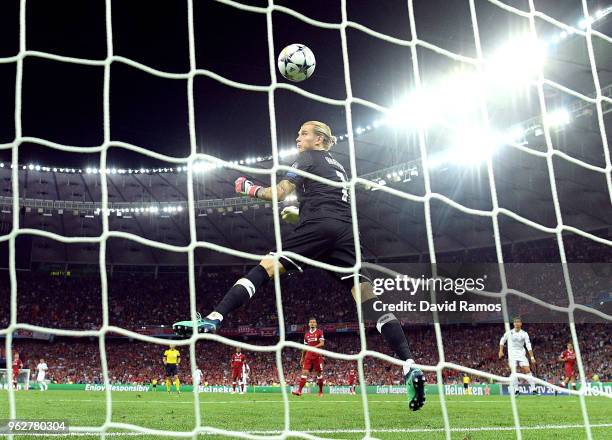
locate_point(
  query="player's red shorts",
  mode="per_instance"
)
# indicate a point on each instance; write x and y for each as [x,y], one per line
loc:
[313,363]
[351,381]
[569,372]
[15,374]
[236,373]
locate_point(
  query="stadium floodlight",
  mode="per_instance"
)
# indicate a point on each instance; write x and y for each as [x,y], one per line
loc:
[557,118]
[88,170]
[563,35]
[470,146]
[287,152]
[457,94]
[514,134]
[31,167]
[359,130]
[179,208]
[418,109]
[517,61]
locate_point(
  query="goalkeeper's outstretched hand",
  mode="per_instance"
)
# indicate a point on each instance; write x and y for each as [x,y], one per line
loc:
[290,214]
[246,187]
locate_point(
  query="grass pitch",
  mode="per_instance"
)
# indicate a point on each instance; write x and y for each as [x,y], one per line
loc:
[333,416]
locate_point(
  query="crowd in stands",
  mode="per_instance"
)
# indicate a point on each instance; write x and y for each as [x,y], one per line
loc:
[135,301]
[77,360]
[140,300]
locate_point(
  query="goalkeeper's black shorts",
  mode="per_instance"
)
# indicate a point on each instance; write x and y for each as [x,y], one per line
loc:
[327,240]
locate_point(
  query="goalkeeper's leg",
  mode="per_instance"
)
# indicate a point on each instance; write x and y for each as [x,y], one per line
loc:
[238,295]
[391,329]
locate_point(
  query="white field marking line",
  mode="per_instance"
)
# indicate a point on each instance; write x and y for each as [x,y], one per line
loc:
[352,431]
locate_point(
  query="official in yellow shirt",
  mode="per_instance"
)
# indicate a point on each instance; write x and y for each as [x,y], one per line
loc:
[172,358]
[466,384]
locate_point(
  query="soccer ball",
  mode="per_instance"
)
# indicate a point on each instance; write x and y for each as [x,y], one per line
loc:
[296,62]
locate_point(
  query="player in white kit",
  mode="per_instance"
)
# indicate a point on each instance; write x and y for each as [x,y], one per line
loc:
[245,378]
[41,369]
[197,377]
[518,340]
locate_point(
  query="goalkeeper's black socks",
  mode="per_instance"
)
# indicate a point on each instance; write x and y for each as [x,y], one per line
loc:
[242,291]
[394,334]
[388,325]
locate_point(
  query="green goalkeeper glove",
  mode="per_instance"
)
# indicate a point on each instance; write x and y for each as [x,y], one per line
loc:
[290,214]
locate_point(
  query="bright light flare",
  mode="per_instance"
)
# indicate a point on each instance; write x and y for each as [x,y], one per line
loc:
[557,118]
[469,146]
[418,109]
[517,61]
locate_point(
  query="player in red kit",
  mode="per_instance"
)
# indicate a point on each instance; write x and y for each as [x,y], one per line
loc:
[352,377]
[312,362]
[568,357]
[237,361]
[17,365]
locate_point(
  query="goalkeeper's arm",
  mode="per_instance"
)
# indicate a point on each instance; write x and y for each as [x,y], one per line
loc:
[247,188]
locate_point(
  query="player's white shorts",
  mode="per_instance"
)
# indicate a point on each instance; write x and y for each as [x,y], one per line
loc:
[40,377]
[521,360]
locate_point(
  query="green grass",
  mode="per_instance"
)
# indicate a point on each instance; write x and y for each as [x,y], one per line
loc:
[333,416]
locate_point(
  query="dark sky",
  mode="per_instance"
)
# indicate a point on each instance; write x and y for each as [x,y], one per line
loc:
[63,102]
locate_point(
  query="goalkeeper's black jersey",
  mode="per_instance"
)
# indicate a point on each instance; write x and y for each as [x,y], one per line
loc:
[319,200]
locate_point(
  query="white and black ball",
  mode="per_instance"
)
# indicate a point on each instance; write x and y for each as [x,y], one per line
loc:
[296,62]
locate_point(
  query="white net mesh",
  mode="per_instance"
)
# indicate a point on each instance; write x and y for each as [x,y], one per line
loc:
[414,43]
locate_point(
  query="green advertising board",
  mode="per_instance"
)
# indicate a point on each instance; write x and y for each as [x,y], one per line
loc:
[593,389]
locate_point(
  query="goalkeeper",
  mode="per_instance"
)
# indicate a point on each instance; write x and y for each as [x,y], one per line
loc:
[324,232]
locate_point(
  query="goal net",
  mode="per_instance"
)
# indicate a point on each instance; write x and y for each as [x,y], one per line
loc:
[477,63]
